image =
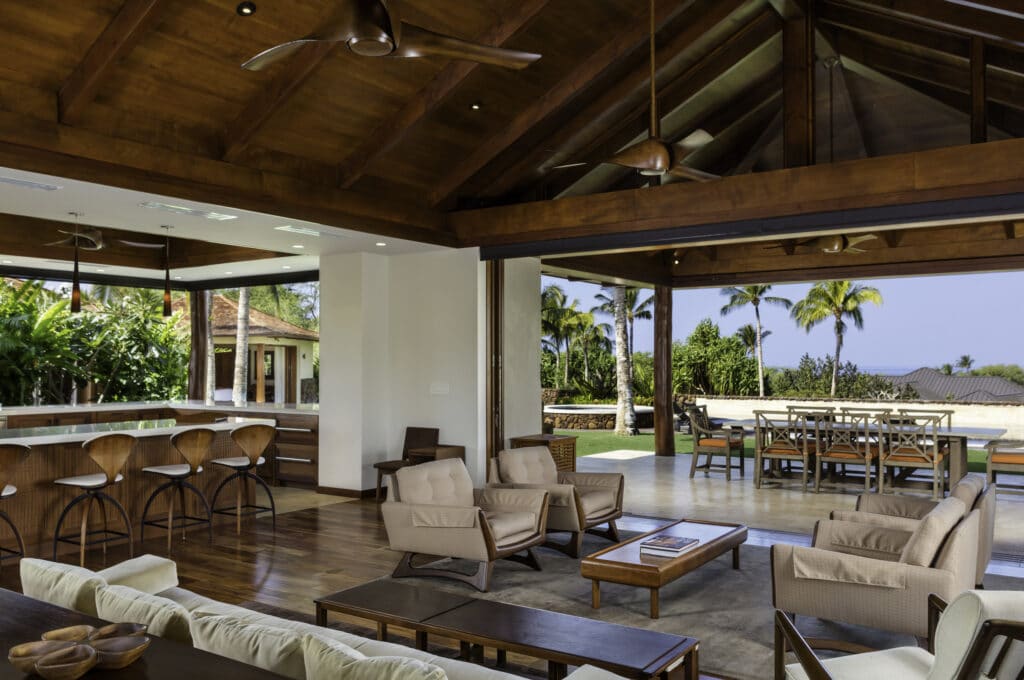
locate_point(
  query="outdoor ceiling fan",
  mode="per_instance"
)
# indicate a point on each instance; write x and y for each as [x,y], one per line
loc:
[653,156]
[374,28]
[833,244]
[86,239]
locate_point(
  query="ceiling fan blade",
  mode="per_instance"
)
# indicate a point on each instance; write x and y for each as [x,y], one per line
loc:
[563,166]
[694,174]
[693,141]
[851,249]
[140,244]
[419,42]
[860,238]
[277,53]
[650,156]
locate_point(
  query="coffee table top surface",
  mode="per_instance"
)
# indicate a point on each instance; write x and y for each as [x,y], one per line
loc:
[400,601]
[713,537]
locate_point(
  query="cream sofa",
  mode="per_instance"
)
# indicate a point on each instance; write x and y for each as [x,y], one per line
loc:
[145,590]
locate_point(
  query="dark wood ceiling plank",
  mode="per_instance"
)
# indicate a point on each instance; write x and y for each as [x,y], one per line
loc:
[1011,8]
[626,39]
[271,97]
[625,270]
[873,22]
[753,154]
[623,100]
[128,26]
[798,88]
[750,38]
[954,173]
[845,116]
[979,108]
[789,10]
[963,18]
[390,132]
[48,147]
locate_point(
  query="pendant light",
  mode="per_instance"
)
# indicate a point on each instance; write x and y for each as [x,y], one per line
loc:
[76,288]
[167,271]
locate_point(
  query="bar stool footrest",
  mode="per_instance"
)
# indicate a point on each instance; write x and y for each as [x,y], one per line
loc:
[252,510]
[110,535]
[179,522]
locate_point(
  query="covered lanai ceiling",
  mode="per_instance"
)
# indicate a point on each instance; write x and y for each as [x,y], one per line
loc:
[149,96]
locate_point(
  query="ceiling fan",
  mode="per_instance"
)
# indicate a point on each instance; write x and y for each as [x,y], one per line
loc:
[833,244]
[374,28]
[86,239]
[653,156]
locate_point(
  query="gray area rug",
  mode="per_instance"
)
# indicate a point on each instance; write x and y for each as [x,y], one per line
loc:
[729,611]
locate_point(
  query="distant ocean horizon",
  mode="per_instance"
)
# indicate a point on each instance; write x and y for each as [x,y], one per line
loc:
[880,370]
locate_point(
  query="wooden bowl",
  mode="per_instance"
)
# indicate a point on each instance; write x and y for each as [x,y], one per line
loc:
[118,652]
[24,657]
[67,664]
[116,630]
[72,633]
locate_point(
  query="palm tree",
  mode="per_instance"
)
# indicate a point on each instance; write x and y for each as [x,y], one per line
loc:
[210,389]
[591,335]
[741,296]
[748,336]
[240,386]
[838,300]
[635,309]
[946,369]
[625,414]
[965,362]
[558,319]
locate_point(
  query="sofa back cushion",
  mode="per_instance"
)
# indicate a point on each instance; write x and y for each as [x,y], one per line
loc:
[64,585]
[325,658]
[528,465]
[439,482]
[274,649]
[165,618]
[924,544]
[968,489]
[148,573]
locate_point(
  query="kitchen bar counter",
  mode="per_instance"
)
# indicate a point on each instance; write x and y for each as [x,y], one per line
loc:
[190,405]
[76,434]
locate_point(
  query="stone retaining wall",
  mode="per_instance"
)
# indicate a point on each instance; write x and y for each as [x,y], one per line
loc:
[592,421]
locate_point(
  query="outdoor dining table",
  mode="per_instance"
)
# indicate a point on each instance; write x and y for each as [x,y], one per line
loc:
[955,437]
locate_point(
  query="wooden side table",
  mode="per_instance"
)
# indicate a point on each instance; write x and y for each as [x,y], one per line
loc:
[562,447]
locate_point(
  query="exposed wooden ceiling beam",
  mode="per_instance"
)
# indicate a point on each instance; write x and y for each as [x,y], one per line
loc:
[979,105]
[798,89]
[753,154]
[272,96]
[42,146]
[866,20]
[962,18]
[631,270]
[610,108]
[789,10]
[909,181]
[626,39]
[1011,8]
[389,133]
[120,36]
[841,104]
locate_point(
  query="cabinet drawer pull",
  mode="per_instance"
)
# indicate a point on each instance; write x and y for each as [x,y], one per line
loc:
[289,459]
[293,429]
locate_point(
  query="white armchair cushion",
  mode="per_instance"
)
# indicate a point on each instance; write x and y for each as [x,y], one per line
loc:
[274,649]
[165,618]
[326,659]
[439,482]
[924,544]
[528,465]
[148,573]
[960,624]
[64,585]
[905,663]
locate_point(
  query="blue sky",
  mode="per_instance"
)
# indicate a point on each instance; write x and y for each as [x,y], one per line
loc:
[925,321]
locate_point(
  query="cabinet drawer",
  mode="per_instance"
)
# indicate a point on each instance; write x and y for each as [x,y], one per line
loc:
[287,422]
[296,453]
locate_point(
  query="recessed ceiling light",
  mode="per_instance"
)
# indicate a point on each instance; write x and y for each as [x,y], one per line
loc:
[229,272]
[298,246]
[183,210]
[246,9]
[305,231]
[6,262]
[100,270]
[675,261]
[26,184]
[177,278]
[287,266]
[380,244]
[475,106]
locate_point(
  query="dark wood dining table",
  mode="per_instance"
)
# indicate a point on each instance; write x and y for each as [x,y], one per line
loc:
[23,619]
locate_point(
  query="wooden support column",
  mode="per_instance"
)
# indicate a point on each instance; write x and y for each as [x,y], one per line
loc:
[979,110]
[664,436]
[199,319]
[261,376]
[495,350]
[798,85]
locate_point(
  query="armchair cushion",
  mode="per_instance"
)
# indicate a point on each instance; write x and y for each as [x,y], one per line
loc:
[867,540]
[968,489]
[506,524]
[888,521]
[601,480]
[824,565]
[444,516]
[440,482]
[598,502]
[961,623]
[512,500]
[895,506]
[559,495]
[924,544]
[528,465]
[907,663]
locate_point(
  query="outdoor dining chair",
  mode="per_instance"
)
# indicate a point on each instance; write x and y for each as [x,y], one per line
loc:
[782,436]
[913,445]
[710,442]
[852,437]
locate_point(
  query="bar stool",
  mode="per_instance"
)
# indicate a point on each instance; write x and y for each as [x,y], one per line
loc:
[194,446]
[253,440]
[110,452]
[11,456]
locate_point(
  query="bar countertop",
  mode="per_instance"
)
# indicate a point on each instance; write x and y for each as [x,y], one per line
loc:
[71,434]
[189,405]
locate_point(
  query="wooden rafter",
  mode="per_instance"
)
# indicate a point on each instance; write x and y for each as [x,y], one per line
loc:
[389,133]
[963,18]
[979,106]
[272,96]
[626,39]
[128,26]
[865,20]
[798,88]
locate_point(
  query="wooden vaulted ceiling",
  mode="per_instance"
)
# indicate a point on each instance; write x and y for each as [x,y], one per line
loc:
[148,95]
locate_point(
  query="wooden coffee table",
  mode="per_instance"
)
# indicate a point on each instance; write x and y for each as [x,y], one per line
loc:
[623,563]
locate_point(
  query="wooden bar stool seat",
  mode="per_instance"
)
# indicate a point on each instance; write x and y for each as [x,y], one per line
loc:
[11,456]
[110,452]
[194,446]
[253,440]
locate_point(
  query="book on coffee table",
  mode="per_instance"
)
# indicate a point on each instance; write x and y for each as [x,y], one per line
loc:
[664,545]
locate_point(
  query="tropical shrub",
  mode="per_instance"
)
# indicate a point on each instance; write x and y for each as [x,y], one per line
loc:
[708,363]
[813,378]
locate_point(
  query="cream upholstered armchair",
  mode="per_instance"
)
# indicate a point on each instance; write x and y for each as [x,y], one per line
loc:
[577,501]
[979,635]
[436,511]
[906,512]
[876,576]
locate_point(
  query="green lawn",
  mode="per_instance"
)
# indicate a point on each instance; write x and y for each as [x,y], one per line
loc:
[589,442]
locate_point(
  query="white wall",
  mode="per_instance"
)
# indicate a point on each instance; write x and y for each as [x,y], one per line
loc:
[522,347]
